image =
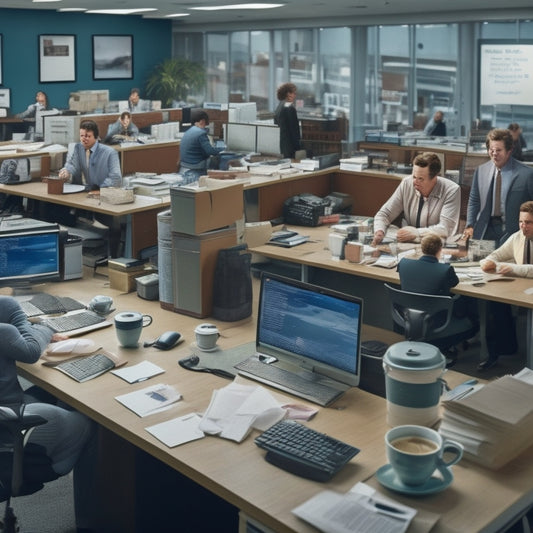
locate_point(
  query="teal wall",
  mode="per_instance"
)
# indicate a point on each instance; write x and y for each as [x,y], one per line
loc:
[20,29]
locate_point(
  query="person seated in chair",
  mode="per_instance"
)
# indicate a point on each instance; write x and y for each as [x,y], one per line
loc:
[427,275]
[122,130]
[68,439]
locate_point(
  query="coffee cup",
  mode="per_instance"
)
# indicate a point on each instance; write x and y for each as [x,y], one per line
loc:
[353,251]
[206,337]
[336,244]
[101,304]
[128,326]
[415,452]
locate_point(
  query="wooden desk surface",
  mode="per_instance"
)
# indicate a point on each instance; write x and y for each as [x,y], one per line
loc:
[38,190]
[475,500]
[317,254]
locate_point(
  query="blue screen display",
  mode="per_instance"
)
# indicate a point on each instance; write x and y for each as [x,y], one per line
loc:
[29,256]
[311,322]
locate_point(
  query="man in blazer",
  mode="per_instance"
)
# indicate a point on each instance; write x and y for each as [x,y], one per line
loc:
[486,217]
[512,258]
[91,163]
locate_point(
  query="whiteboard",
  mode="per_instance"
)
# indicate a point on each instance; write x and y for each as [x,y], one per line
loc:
[506,73]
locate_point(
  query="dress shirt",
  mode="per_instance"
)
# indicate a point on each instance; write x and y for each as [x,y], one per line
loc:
[104,166]
[440,213]
[511,253]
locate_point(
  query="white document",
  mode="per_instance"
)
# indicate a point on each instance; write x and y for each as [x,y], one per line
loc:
[139,372]
[178,430]
[150,400]
[236,409]
[362,510]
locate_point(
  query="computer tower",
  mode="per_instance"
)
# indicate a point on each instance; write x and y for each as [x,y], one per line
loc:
[71,257]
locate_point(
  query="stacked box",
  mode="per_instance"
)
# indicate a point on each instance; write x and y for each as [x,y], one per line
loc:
[88,101]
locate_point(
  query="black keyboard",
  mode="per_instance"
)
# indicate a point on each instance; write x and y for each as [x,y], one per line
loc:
[304,451]
[86,368]
[47,304]
[288,381]
[66,323]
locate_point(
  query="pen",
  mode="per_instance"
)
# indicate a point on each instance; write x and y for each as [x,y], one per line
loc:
[140,379]
[388,508]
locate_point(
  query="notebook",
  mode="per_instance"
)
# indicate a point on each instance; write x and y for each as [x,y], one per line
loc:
[313,336]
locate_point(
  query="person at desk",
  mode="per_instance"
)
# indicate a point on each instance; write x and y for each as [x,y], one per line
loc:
[68,439]
[519,143]
[499,187]
[40,104]
[436,127]
[196,148]
[286,118]
[513,258]
[122,130]
[426,202]
[136,104]
[91,163]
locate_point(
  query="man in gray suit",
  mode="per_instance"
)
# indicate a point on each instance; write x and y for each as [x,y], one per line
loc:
[493,209]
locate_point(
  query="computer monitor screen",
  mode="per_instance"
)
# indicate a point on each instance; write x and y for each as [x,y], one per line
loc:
[319,326]
[29,256]
[241,137]
[268,139]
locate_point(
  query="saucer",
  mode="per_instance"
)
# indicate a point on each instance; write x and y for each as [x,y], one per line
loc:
[388,478]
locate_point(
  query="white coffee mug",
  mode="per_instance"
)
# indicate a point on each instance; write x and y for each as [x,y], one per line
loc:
[206,336]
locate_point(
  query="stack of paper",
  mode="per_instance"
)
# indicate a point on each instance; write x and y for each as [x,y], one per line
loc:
[495,422]
[354,163]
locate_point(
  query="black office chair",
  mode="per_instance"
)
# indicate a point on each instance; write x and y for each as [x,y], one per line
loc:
[429,318]
[24,467]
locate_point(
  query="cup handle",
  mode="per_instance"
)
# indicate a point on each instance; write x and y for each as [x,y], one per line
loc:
[147,320]
[450,446]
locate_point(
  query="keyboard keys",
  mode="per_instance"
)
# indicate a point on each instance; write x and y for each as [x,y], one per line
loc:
[304,451]
[86,368]
[66,323]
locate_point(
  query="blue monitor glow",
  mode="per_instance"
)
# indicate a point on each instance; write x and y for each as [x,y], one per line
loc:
[29,256]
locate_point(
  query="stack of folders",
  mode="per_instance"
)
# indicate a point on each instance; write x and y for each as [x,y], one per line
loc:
[494,423]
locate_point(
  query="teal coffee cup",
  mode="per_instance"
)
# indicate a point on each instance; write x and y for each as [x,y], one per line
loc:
[415,452]
[128,326]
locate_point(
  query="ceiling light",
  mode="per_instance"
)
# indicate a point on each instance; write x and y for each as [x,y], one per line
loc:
[63,9]
[120,11]
[42,1]
[178,15]
[237,6]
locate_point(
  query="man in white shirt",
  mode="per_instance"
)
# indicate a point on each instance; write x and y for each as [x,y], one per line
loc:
[426,202]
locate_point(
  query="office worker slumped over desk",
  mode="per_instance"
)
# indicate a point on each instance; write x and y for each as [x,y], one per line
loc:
[426,202]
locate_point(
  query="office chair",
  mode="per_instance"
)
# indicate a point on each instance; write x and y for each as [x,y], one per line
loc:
[24,468]
[429,318]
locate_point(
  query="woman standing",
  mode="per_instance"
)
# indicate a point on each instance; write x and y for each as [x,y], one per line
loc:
[286,118]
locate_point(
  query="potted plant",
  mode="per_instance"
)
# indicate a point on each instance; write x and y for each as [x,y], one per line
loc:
[174,79]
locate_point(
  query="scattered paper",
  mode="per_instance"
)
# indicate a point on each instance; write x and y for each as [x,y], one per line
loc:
[150,400]
[362,509]
[139,372]
[178,430]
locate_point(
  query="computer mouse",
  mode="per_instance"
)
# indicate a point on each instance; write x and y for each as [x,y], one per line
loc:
[167,340]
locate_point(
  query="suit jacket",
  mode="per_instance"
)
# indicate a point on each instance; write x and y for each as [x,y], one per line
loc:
[480,199]
[289,129]
[427,276]
[104,166]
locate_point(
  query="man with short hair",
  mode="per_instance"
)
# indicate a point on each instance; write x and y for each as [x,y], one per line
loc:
[91,163]
[426,202]
[513,258]
[136,104]
[436,127]
[196,148]
[121,130]
[498,189]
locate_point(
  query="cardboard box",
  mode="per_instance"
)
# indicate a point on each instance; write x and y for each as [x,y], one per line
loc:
[197,210]
[124,281]
[194,259]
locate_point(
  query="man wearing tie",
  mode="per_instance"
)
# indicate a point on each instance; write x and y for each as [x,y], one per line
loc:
[498,189]
[91,163]
[513,258]
[426,203]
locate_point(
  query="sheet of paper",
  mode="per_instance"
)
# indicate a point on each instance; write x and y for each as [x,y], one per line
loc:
[362,509]
[139,372]
[150,400]
[178,430]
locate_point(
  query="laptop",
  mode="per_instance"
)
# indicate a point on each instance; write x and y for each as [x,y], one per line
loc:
[308,340]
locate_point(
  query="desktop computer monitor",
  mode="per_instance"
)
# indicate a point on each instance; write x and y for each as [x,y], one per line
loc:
[29,256]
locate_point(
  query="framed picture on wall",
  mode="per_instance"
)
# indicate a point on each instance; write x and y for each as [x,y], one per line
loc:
[112,57]
[57,58]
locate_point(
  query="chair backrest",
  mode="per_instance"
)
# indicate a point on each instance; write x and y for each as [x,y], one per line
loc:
[420,315]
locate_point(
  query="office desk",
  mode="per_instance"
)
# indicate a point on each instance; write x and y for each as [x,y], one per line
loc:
[141,215]
[158,157]
[315,254]
[5,125]
[478,500]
